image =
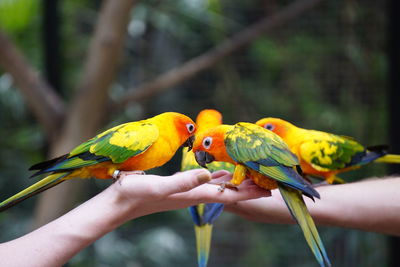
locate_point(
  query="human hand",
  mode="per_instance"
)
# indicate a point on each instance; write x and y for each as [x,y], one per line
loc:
[369,205]
[130,197]
[145,194]
[267,210]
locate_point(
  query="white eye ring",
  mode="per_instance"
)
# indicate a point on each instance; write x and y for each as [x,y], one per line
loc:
[207,142]
[269,126]
[190,127]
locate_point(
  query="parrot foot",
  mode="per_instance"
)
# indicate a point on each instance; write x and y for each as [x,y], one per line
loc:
[116,175]
[227,185]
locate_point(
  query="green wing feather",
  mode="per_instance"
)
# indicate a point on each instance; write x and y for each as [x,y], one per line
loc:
[121,142]
[327,152]
[250,142]
[266,153]
[116,144]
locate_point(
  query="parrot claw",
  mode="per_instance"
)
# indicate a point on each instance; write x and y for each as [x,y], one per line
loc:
[227,185]
[115,176]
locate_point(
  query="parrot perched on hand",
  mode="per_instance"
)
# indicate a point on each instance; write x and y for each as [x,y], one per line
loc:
[204,215]
[133,146]
[324,154]
[265,158]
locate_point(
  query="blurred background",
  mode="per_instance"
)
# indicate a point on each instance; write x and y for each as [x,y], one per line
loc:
[69,69]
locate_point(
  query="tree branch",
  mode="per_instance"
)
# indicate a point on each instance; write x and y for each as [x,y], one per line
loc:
[210,58]
[45,103]
[87,108]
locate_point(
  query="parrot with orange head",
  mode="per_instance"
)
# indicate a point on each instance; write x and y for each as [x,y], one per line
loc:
[264,157]
[204,215]
[324,155]
[133,146]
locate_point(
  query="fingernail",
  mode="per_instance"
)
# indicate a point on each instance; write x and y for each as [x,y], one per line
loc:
[203,177]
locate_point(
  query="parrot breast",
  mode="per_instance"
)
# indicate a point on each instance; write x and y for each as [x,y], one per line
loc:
[262,180]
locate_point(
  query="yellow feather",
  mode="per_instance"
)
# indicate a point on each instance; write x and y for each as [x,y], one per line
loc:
[389,158]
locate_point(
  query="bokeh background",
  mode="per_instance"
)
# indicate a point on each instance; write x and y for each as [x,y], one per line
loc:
[69,69]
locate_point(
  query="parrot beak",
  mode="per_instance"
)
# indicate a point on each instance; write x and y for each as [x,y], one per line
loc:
[203,158]
[189,143]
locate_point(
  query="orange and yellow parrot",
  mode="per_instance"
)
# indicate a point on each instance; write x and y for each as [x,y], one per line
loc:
[324,154]
[204,215]
[133,146]
[265,158]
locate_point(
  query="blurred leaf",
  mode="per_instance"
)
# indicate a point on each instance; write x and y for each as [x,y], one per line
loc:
[15,15]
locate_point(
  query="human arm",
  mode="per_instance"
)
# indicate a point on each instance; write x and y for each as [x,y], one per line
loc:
[130,197]
[369,205]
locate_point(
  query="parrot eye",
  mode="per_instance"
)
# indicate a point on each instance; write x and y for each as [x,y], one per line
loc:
[269,126]
[207,142]
[190,127]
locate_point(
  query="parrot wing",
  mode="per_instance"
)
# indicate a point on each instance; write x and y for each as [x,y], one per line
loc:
[265,152]
[188,161]
[220,165]
[327,152]
[116,144]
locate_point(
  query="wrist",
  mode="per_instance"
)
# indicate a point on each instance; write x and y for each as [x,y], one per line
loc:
[123,206]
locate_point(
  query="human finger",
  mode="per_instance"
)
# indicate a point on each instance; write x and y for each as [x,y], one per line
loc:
[185,181]
[209,193]
[220,173]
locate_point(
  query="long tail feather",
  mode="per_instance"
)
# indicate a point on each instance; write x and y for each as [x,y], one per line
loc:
[389,158]
[299,211]
[203,242]
[203,216]
[32,190]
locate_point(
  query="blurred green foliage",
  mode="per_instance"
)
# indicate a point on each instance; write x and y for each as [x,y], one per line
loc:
[326,70]
[17,14]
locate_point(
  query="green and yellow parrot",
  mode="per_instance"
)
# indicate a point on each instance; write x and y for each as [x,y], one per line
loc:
[324,155]
[204,215]
[133,146]
[265,158]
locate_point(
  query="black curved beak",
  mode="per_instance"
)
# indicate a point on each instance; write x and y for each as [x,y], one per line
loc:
[189,143]
[203,158]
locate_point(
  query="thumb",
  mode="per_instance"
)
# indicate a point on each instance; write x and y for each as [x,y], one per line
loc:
[185,181]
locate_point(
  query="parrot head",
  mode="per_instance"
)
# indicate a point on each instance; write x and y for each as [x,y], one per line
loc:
[278,126]
[208,118]
[184,127]
[209,146]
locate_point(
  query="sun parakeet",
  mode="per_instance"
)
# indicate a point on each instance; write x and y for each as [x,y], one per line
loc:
[204,215]
[133,146]
[265,158]
[324,155]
